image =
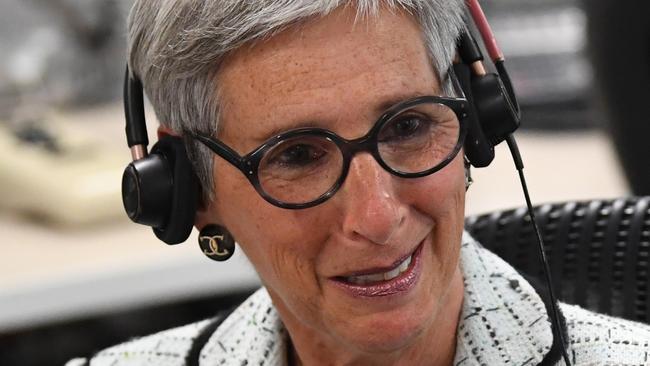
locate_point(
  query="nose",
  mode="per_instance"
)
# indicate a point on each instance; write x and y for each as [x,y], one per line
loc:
[372,210]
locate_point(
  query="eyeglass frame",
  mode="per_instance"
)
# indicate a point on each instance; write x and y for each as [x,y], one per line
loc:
[249,163]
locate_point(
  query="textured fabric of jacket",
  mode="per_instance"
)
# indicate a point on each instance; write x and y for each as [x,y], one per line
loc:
[503,322]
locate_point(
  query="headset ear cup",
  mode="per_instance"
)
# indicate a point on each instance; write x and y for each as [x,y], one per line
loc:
[478,150]
[498,115]
[147,189]
[185,191]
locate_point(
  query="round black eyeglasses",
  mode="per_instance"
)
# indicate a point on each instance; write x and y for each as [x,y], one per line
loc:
[304,167]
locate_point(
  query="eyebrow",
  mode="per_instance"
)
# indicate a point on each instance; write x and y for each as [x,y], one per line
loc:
[378,111]
[396,99]
[277,130]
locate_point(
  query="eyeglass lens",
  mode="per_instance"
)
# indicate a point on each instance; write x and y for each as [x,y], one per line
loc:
[303,168]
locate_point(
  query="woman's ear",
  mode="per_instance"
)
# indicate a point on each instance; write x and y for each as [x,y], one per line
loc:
[205,213]
[165,131]
[202,218]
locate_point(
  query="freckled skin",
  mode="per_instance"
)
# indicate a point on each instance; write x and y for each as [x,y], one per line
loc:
[336,73]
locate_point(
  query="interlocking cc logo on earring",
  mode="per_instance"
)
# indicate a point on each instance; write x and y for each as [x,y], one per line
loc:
[216,243]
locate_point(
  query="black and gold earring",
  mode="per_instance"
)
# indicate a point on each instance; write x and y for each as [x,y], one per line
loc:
[216,242]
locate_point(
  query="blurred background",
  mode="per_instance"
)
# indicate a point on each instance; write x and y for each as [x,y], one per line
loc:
[77,276]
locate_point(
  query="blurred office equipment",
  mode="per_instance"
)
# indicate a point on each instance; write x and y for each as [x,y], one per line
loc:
[580,64]
[61,52]
[60,55]
[619,39]
[544,43]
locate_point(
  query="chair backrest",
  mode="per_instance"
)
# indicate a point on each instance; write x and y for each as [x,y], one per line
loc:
[598,251]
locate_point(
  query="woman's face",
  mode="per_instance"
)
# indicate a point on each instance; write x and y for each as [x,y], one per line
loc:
[340,76]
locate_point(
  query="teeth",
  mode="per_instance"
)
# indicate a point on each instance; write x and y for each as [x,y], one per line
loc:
[378,277]
[405,264]
[391,274]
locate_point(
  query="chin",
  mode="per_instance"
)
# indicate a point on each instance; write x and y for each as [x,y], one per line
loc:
[390,333]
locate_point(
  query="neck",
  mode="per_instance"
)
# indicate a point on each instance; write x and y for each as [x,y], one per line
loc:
[436,346]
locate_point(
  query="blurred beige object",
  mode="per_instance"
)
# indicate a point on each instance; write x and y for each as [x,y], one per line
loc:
[77,184]
[558,167]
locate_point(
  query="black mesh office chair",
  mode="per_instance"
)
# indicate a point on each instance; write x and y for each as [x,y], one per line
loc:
[598,251]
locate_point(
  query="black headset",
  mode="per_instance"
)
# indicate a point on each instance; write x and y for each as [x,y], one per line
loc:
[161,190]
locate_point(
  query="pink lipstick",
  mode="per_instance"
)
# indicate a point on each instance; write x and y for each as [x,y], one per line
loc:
[371,285]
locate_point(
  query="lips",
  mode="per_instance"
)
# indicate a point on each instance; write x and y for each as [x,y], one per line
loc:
[380,282]
[379,276]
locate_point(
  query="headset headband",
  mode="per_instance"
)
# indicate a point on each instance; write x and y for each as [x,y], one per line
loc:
[136,126]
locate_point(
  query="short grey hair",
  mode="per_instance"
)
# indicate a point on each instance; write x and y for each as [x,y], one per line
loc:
[176,48]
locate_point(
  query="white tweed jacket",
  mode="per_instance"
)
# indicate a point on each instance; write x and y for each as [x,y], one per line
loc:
[503,322]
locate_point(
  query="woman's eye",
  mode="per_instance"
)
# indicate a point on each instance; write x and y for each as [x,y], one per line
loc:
[298,155]
[404,128]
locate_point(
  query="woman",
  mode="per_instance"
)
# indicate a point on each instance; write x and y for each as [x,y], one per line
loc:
[361,251]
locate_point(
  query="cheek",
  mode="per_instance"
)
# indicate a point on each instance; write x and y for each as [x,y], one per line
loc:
[440,196]
[285,257]
[283,245]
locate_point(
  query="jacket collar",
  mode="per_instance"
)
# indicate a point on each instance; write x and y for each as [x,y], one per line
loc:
[503,319]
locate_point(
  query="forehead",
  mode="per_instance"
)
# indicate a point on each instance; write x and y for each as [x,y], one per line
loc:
[322,70]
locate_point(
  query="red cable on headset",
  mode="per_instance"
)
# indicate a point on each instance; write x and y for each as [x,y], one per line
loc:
[492,47]
[485,30]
